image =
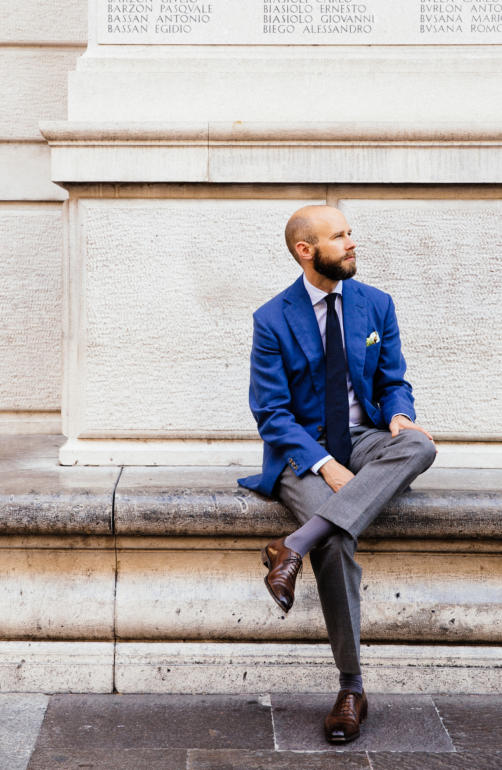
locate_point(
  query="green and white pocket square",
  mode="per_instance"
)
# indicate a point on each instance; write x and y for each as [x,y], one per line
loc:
[372,339]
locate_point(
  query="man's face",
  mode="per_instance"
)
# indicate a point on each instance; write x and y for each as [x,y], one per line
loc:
[334,254]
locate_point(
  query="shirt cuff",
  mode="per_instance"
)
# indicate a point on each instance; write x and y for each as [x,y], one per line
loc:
[319,464]
[402,415]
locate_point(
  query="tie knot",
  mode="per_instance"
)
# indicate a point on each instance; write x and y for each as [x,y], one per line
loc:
[330,300]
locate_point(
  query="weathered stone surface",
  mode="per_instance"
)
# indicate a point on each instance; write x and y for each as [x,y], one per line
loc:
[60,21]
[109,759]
[38,496]
[155,721]
[198,501]
[31,288]
[47,593]
[420,760]
[199,667]
[219,594]
[395,723]
[20,720]
[233,759]
[37,91]
[49,667]
[472,719]
[158,392]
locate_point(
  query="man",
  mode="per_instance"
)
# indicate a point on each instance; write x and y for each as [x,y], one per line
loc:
[337,420]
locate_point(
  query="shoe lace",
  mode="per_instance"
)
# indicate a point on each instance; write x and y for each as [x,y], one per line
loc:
[293,562]
[345,706]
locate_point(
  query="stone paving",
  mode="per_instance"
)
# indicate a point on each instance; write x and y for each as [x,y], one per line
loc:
[245,732]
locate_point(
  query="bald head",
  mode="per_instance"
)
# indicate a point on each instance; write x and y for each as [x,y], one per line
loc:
[304,226]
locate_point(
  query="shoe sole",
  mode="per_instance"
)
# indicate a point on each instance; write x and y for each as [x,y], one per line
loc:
[266,561]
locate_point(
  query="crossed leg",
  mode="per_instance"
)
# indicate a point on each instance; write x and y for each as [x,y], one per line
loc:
[384,466]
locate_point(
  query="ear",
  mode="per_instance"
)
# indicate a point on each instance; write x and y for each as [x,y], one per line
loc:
[304,249]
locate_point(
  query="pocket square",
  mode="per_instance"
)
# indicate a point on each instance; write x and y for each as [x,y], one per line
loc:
[372,339]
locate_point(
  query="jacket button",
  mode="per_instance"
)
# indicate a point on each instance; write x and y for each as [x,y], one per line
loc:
[320,428]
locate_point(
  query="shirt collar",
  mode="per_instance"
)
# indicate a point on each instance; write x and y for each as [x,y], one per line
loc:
[315,294]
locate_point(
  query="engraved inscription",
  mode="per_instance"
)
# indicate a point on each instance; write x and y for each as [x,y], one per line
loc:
[299,22]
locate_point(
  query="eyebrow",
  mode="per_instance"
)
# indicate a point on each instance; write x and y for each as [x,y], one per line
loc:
[340,232]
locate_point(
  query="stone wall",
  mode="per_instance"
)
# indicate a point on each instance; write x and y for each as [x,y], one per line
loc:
[39,43]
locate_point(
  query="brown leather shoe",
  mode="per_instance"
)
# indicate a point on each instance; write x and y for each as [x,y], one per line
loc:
[283,564]
[342,723]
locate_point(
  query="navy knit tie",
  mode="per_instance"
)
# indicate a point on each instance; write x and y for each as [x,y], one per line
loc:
[338,440]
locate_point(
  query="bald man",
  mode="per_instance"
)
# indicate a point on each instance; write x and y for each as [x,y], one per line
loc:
[338,424]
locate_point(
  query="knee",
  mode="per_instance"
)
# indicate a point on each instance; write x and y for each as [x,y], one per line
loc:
[421,447]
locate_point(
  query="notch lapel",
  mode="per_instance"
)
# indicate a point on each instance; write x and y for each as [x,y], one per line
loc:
[302,320]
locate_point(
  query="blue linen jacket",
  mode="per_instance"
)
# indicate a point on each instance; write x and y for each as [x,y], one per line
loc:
[287,386]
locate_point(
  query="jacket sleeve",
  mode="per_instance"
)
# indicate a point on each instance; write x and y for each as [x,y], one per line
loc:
[390,389]
[270,402]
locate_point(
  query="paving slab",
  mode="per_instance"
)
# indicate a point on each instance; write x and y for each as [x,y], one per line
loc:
[39,496]
[394,723]
[108,759]
[419,760]
[472,720]
[275,760]
[20,720]
[156,721]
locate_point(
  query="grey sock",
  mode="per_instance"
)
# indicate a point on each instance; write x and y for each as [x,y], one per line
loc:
[312,533]
[353,682]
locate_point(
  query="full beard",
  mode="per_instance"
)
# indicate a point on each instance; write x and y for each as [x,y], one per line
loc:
[335,271]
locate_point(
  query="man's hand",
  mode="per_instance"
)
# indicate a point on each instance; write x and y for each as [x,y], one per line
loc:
[335,474]
[400,421]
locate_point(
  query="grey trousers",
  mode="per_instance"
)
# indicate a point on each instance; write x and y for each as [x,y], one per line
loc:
[383,466]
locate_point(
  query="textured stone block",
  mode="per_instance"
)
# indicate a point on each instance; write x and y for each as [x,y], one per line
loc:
[56,666]
[52,593]
[199,667]
[440,261]
[33,87]
[36,21]
[170,287]
[31,289]
[220,595]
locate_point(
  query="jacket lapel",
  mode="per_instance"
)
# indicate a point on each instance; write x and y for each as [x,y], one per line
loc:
[354,330]
[302,320]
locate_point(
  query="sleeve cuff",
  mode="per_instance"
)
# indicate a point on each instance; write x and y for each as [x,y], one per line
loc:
[320,463]
[402,415]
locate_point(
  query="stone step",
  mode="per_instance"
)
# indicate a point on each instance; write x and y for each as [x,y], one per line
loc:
[40,497]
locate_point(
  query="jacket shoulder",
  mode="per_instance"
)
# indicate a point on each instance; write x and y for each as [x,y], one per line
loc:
[378,296]
[272,306]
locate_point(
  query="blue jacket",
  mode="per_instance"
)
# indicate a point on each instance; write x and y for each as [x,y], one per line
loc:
[287,388]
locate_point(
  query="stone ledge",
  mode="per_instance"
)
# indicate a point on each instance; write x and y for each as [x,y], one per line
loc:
[38,496]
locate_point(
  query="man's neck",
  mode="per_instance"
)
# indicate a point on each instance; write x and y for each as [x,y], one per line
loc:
[321,282]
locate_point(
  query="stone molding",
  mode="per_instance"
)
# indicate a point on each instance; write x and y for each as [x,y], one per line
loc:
[352,152]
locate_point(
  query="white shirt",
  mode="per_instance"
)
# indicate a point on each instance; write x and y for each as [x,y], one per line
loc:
[356,412]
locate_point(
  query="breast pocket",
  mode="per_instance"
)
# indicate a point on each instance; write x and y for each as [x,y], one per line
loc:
[371,360]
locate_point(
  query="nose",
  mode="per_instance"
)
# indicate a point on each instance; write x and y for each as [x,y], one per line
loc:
[350,244]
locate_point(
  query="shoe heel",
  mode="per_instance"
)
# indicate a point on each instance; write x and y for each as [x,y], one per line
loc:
[364,712]
[264,557]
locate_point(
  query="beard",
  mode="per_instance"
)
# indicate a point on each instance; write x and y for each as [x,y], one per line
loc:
[335,271]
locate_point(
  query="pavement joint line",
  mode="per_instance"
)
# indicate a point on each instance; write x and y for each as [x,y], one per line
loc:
[276,746]
[370,763]
[454,749]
